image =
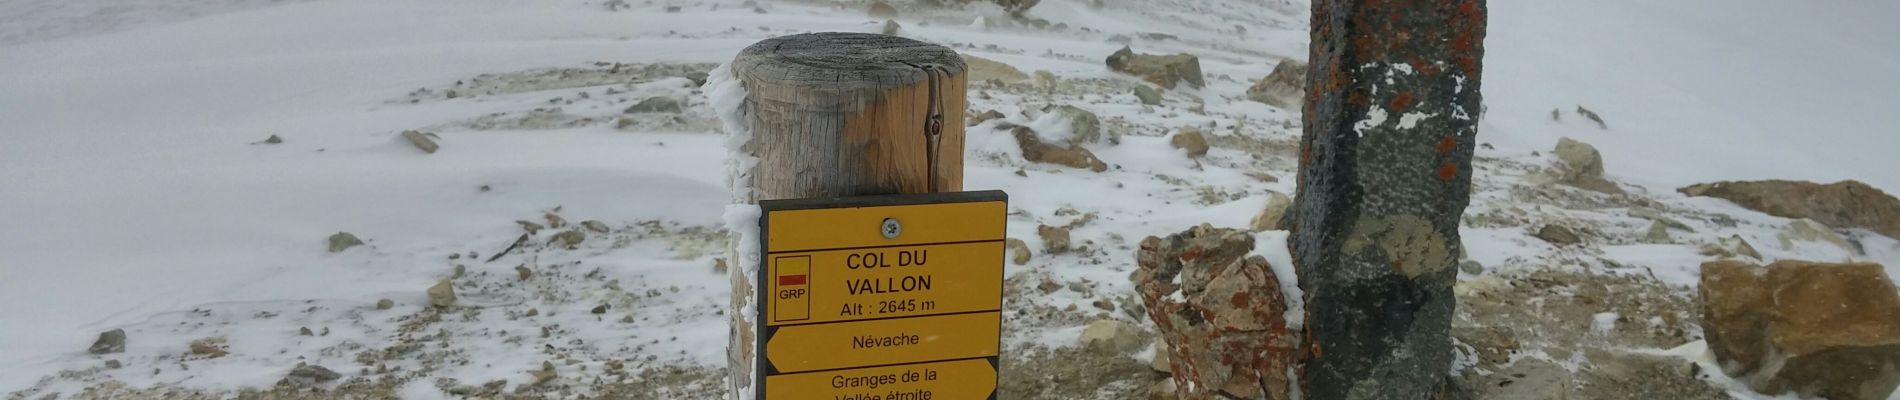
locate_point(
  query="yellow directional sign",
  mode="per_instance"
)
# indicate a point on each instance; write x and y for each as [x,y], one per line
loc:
[968,379]
[887,297]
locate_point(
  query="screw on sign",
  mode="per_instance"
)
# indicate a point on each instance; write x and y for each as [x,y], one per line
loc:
[890,315]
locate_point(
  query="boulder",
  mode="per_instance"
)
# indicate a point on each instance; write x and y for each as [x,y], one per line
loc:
[1269,218]
[1845,204]
[308,375]
[422,140]
[343,241]
[1073,156]
[1165,70]
[1811,231]
[1583,167]
[596,226]
[1558,235]
[1055,239]
[881,10]
[1084,126]
[1018,251]
[1112,336]
[983,69]
[442,294]
[1220,312]
[1148,95]
[112,341]
[1731,247]
[1285,87]
[1814,329]
[1190,139]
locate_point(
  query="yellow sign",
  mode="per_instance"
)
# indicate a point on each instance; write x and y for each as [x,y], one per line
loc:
[886,298]
[972,379]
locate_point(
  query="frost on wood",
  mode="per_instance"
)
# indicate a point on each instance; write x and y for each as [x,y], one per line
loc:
[742,221]
[1385,172]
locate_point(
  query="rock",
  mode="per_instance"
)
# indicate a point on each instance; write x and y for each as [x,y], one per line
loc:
[1164,70]
[1731,247]
[305,331]
[1055,240]
[522,272]
[273,139]
[891,27]
[1471,267]
[555,221]
[1016,7]
[1657,233]
[569,238]
[1160,361]
[1192,140]
[1162,389]
[1815,329]
[662,104]
[209,347]
[1220,311]
[986,116]
[698,77]
[1531,379]
[109,342]
[442,294]
[114,364]
[530,226]
[1018,251]
[422,140]
[343,241]
[1112,336]
[600,309]
[1084,126]
[308,375]
[1845,204]
[982,70]
[1592,115]
[1047,81]
[545,374]
[1811,231]
[1558,235]
[385,304]
[1269,218]
[1034,150]
[881,10]
[1148,95]
[1583,167]
[1285,87]
[1655,215]
[596,226]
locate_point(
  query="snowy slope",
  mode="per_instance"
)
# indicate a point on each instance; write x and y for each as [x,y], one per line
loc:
[136,194]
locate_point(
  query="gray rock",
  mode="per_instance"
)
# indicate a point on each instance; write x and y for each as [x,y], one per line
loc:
[1558,235]
[307,375]
[1657,233]
[1285,87]
[109,342]
[1112,336]
[114,364]
[596,226]
[1811,231]
[1269,217]
[881,10]
[1084,126]
[1148,95]
[343,241]
[385,304]
[1190,139]
[982,70]
[1164,70]
[1583,167]
[698,77]
[422,140]
[1471,267]
[1018,251]
[986,116]
[891,27]
[1844,204]
[273,139]
[442,294]
[1055,240]
[569,238]
[662,104]
[1656,215]
[1592,115]
[1035,150]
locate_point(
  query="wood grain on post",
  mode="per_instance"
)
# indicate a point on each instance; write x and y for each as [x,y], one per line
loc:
[1391,119]
[836,115]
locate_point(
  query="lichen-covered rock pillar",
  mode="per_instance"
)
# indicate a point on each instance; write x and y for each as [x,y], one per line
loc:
[830,115]
[1391,117]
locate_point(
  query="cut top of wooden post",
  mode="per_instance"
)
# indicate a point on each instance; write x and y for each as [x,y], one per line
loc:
[845,114]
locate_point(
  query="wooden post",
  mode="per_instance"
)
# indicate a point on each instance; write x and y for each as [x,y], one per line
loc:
[841,114]
[1391,120]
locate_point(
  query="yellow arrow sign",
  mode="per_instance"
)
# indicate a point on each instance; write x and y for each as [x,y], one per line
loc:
[802,348]
[948,380]
[849,285]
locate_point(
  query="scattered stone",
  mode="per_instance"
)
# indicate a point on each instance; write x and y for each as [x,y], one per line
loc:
[273,139]
[1034,150]
[1285,87]
[385,304]
[662,104]
[1655,215]
[600,309]
[1556,116]
[555,221]
[1055,240]
[1808,230]
[1160,361]
[460,270]
[1192,140]
[523,272]
[1263,177]
[1558,235]
[109,342]
[1112,336]
[1657,233]
[209,347]
[305,331]
[1816,329]
[698,77]
[1047,80]
[422,140]
[1104,305]
[343,241]
[596,226]
[1731,247]
[986,116]
[982,70]
[882,10]
[1531,379]
[1148,95]
[1269,218]
[1844,204]
[114,364]
[1471,267]
[1583,167]
[1018,251]
[1592,115]
[1220,311]
[569,238]
[1164,70]
[308,375]
[530,226]
[545,374]
[1084,126]
[1016,7]
[891,27]
[442,294]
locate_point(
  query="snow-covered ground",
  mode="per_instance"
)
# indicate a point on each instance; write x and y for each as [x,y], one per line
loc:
[137,192]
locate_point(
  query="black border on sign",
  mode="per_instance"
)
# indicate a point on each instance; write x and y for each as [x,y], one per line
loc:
[764,366]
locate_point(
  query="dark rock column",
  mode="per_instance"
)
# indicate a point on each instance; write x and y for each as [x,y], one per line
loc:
[1391,120]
